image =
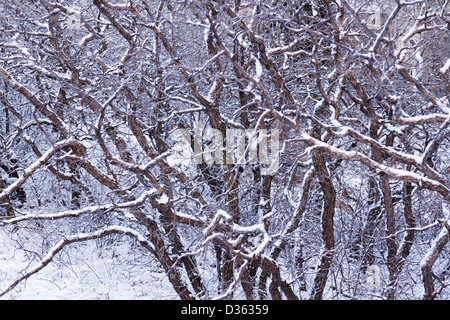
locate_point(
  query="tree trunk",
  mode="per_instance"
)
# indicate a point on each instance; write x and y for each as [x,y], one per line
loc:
[329,200]
[430,258]
[7,202]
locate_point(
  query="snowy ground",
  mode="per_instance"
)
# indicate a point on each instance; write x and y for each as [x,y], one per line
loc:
[111,268]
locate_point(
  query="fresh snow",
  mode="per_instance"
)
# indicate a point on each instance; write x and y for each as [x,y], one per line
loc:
[446,67]
[163,199]
[91,270]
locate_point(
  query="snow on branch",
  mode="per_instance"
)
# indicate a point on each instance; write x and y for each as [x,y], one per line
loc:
[91,209]
[430,258]
[215,221]
[446,67]
[38,164]
[283,49]
[379,167]
[423,119]
[389,20]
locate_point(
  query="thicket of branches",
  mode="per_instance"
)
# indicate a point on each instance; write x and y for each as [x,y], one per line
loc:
[91,91]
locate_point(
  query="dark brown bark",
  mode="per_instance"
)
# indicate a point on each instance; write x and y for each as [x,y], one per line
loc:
[169,225]
[428,261]
[373,215]
[163,255]
[410,222]
[329,201]
[7,202]
[388,208]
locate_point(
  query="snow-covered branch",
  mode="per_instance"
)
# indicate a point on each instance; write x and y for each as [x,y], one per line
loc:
[88,210]
[378,167]
[43,160]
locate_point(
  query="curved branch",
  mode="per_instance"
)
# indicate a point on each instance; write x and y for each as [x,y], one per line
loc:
[78,238]
[43,160]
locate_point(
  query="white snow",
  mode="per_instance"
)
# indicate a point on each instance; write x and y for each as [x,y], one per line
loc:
[446,67]
[223,214]
[259,70]
[35,166]
[212,91]
[163,199]
[257,228]
[92,270]
[432,254]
